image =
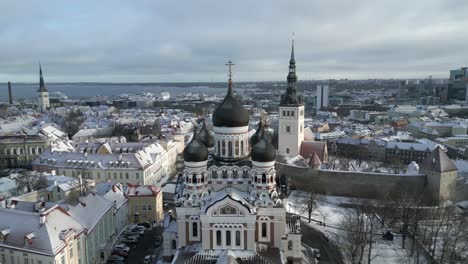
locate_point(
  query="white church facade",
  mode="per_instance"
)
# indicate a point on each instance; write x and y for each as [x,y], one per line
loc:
[229,200]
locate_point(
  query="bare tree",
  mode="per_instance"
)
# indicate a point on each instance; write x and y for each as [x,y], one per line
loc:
[29,180]
[357,231]
[310,204]
[444,234]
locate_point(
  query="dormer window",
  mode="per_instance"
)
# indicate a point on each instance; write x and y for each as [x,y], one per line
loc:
[28,239]
[4,234]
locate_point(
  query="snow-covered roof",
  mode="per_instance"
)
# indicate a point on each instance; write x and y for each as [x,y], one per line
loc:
[410,146]
[143,190]
[90,210]
[46,237]
[117,195]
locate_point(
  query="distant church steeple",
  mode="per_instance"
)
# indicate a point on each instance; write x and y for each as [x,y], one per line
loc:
[42,87]
[291,97]
[43,93]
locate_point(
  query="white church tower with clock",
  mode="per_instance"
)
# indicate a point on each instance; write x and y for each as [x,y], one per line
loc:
[291,115]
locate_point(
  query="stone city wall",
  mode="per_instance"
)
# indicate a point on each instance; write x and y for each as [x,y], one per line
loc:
[352,184]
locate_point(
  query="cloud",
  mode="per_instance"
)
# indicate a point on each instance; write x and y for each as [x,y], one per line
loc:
[191,40]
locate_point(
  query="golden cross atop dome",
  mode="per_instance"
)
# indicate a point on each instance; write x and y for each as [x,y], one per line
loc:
[229,64]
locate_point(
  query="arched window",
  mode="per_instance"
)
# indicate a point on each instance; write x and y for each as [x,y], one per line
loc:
[21,151]
[7,151]
[202,177]
[39,150]
[290,245]
[186,179]
[33,151]
[214,174]
[230,149]
[264,178]
[242,148]
[225,174]
[264,229]
[292,113]
[234,174]
[245,174]
[219,148]
[238,238]
[194,178]
[256,178]
[223,148]
[194,229]
[218,238]
[237,147]
[228,237]
[174,244]
[14,152]
[287,150]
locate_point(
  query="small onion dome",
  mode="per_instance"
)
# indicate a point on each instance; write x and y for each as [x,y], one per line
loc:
[195,151]
[263,151]
[255,138]
[230,113]
[205,136]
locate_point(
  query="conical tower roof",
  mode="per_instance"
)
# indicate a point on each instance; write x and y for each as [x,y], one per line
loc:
[438,161]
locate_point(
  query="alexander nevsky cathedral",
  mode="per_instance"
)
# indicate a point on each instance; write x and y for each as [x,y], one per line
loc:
[230,206]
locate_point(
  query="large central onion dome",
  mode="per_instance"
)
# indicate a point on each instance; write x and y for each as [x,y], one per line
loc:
[205,136]
[230,113]
[195,151]
[263,151]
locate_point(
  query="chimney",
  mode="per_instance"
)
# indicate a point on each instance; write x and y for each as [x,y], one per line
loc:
[2,202]
[10,93]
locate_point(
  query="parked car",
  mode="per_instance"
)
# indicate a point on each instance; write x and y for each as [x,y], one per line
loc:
[317,254]
[131,237]
[148,259]
[158,241]
[132,233]
[115,262]
[122,247]
[145,224]
[130,240]
[140,231]
[120,253]
[115,258]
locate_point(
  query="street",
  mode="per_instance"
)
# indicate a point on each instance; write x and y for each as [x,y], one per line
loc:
[329,254]
[145,246]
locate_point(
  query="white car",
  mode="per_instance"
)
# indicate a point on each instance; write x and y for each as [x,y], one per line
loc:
[122,247]
[148,259]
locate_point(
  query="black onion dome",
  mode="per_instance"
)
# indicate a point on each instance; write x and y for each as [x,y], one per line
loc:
[263,151]
[230,113]
[205,137]
[195,151]
[255,138]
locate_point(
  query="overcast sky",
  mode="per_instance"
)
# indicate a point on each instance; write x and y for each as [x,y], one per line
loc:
[178,41]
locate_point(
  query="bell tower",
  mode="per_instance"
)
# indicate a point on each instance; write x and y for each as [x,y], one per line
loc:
[291,115]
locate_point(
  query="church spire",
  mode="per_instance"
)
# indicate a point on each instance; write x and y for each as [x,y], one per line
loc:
[42,87]
[290,97]
[292,60]
[229,64]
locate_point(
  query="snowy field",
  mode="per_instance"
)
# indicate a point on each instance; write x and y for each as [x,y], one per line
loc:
[327,209]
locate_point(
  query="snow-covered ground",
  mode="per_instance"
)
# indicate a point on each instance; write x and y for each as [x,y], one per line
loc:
[328,210]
